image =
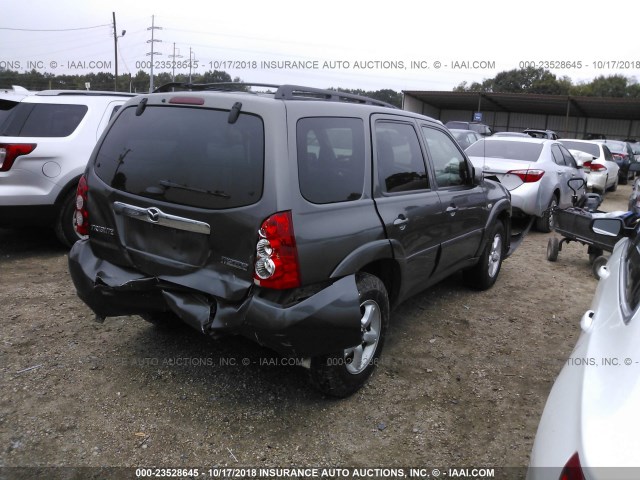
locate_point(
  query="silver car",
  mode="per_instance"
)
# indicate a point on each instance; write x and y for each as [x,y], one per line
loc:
[591,420]
[535,171]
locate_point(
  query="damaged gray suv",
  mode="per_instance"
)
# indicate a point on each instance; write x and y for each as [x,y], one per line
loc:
[294,216]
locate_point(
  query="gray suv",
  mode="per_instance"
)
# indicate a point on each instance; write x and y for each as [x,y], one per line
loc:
[296,217]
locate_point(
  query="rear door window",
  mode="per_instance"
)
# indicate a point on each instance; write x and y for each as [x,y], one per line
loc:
[184,155]
[557,155]
[608,156]
[44,120]
[330,159]
[568,158]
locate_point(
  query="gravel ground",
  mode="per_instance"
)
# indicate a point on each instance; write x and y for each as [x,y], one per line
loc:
[462,380]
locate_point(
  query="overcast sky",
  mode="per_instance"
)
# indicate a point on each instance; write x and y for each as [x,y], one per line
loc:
[365,45]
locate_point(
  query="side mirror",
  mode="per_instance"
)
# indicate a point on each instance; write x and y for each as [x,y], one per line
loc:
[610,227]
[478,176]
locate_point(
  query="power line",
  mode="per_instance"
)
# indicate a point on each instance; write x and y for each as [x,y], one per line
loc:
[53,30]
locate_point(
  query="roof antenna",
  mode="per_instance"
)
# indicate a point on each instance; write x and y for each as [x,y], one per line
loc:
[234,113]
[141,106]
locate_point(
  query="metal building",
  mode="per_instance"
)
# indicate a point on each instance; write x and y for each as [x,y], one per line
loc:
[569,116]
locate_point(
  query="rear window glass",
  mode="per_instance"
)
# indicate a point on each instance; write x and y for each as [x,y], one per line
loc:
[43,120]
[590,148]
[524,151]
[189,156]
[615,147]
[330,159]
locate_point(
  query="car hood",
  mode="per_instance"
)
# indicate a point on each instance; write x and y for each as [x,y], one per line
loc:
[610,396]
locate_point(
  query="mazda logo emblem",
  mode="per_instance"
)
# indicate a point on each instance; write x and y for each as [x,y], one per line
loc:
[153,214]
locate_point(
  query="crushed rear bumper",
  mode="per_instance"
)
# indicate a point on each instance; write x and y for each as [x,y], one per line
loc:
[307,322]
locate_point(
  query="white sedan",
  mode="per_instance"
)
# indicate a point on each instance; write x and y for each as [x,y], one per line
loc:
[590,427]
[597,161]
[535,171]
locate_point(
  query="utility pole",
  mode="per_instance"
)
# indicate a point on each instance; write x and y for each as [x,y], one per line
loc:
[190,53]
[115,49]
[173,62]
[153,28]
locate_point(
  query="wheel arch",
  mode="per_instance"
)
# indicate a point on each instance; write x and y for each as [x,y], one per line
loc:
[377,259]
[501,212]
[71,185]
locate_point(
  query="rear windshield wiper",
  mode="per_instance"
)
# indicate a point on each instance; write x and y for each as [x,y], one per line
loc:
[170,184]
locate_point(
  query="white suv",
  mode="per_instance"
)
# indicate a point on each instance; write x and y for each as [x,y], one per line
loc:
[45,142]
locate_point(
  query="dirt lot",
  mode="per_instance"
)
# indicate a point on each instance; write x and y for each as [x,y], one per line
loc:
[462,383]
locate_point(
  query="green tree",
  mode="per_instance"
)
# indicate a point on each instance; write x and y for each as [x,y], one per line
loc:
[538,80]
[212,76]
[612,86]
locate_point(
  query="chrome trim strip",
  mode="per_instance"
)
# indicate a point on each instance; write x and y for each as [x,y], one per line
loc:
[157,217]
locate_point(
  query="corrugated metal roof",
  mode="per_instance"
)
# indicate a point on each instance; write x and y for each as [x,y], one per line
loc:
[592,107]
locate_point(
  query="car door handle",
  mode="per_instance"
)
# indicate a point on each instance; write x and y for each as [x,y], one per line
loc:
[401,222]
[452,210]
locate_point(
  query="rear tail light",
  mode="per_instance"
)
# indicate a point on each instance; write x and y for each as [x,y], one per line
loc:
[619,156]
[10,151]
[527,176]
[572,470]
[81,218]
[594,167]
[276,254]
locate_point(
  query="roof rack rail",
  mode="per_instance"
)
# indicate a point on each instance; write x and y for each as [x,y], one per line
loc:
[293,92]
[226,86]
[282,92]
[86,93]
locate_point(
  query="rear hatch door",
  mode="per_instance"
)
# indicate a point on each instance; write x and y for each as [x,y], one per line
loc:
[178,189]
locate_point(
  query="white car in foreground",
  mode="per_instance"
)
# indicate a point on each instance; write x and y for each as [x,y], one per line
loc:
[590,427]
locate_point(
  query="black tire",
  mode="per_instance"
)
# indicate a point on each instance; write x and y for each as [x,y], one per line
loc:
[623,179]
[64,227]
[553,248]
[484,274]
[337,375]
[544,223]
[597,263]
[594,252]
